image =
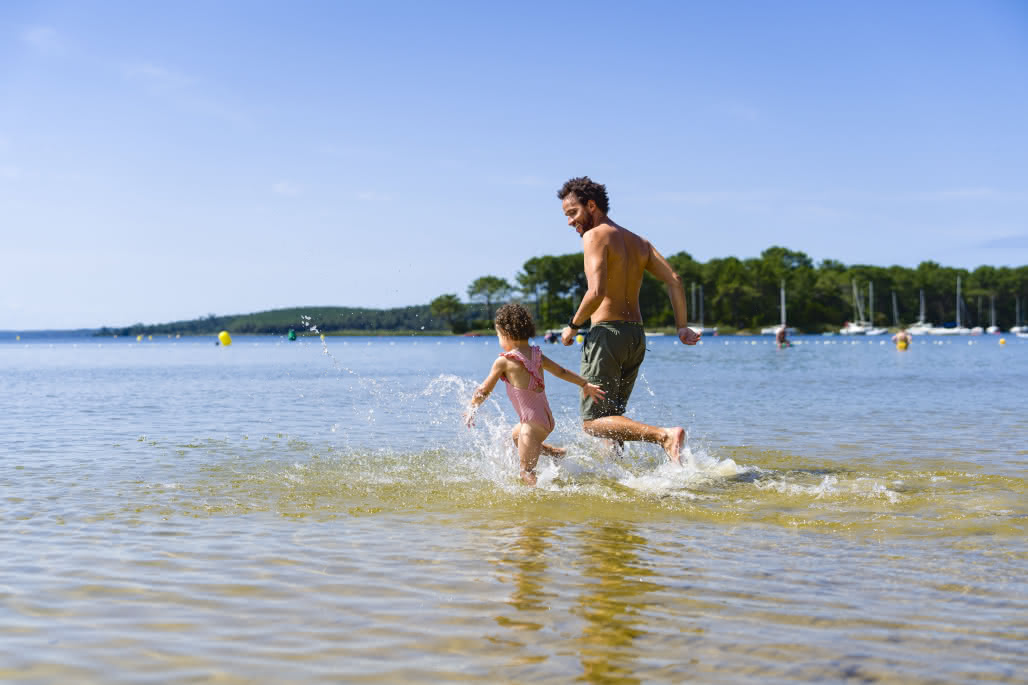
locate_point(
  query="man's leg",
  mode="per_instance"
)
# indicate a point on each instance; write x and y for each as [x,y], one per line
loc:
[623,429]
[618,360]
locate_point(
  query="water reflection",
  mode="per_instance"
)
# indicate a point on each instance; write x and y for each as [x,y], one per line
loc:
[613,604]
[527,559]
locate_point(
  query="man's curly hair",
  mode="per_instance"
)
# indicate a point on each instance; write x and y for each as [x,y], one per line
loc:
[585,189]
[515,322]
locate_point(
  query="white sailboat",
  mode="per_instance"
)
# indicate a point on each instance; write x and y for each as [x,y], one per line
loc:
[699,327]
[1018,328]
[773,330]
[858,326]
[993,328]
[920,327]
[959,329]
[871,328]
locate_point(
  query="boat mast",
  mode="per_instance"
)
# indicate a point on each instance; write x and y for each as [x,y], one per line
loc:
[871,303]
[783,302]
[693,295]
[701,306]
[958,301]
[921,319]
[895,311]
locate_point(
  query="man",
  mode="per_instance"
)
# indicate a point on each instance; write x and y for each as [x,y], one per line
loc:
[615,260]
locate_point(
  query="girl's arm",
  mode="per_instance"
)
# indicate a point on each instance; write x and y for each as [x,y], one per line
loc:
[482,392]
[560,372]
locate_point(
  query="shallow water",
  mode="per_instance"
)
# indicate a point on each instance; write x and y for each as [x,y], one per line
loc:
[271,511]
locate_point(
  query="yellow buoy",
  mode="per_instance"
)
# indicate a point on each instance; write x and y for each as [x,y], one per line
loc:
[579,338]
[139,338]
[149,337]
[224,338]
[1002,341]
[322,337]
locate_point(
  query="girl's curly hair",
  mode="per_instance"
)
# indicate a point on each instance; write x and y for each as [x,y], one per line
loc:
[515,322]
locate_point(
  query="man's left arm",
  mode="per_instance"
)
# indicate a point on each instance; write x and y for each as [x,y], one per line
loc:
[595,259]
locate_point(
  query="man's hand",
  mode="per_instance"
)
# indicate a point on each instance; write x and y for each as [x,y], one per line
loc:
[688,336]
[567,336]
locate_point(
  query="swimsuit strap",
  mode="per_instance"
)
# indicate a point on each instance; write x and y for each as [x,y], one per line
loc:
[533,365]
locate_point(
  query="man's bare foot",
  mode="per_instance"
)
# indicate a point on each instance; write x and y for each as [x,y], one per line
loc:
[528,477]
[555,452]
[672,443]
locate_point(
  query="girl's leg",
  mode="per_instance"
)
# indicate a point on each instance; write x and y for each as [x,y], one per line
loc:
[530,444]
[547,448]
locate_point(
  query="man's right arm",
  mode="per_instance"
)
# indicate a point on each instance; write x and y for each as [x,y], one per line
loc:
[661,268]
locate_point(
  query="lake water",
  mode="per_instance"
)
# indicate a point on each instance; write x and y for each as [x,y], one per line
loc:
[273,511]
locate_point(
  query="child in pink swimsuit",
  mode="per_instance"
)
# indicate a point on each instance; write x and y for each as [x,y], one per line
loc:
[521,367]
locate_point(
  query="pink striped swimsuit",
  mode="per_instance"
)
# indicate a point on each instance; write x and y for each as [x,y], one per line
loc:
[530,403]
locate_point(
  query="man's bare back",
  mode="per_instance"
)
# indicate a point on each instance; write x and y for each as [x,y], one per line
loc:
[624,257]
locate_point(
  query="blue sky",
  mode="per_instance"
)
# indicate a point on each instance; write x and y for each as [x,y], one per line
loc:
[162,161]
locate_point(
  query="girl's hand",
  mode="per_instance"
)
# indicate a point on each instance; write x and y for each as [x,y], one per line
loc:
[593,391]
[469,418]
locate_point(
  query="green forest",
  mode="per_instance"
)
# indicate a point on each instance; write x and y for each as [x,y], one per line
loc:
[737,295]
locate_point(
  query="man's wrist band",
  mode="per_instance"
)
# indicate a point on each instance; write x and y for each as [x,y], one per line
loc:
[571,324]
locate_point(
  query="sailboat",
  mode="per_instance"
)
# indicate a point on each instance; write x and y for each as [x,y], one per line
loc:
[993,328]
[858,326]
[1018,328]
[699,327]
[920,327]
[871,328]
[958,329]
[773,330]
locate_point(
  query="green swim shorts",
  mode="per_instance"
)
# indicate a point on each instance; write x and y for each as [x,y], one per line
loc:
[611,357]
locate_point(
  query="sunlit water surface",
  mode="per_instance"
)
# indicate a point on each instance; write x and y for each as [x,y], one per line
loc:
[273,511]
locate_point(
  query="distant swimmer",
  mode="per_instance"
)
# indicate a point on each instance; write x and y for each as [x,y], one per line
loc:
[902,339]
[521,367]
[615,261]
[780,338]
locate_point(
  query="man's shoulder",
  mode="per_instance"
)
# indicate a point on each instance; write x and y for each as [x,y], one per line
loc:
[602,233]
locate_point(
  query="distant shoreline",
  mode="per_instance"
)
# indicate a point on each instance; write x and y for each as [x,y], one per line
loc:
[96,333]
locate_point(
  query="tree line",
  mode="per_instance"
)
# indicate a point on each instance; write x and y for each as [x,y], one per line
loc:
[744,293]
[737,294]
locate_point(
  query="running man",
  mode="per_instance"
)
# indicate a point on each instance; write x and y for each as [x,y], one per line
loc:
[615,260]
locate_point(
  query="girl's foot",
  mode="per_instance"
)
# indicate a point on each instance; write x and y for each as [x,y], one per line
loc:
[555,452]
[528,477]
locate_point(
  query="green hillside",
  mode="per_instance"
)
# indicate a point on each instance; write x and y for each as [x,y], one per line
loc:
[301,319]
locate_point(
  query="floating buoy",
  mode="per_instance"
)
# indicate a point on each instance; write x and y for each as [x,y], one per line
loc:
[292,334]
[1002,341]
[17,337]
[322,337]
[579,338]
[224,338]
[139,338]
[149,337]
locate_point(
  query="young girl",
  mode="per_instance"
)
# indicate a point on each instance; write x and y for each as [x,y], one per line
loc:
[521,367]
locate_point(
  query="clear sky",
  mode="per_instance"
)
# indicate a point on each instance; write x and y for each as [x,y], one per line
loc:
[163,161]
